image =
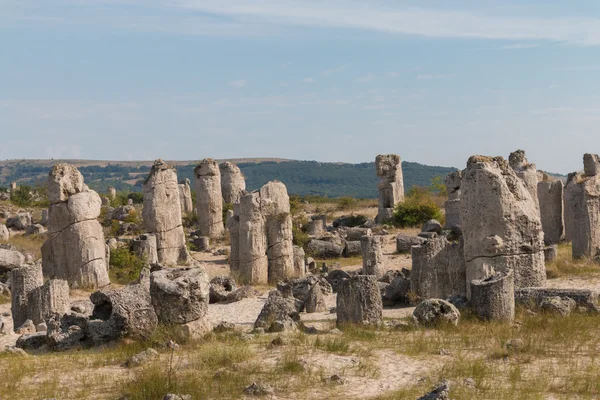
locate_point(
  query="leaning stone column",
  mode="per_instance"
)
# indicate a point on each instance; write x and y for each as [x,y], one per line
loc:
[233,183]
[22,281]
[550,197]
[185,197]
[391,186]
[493,298]
[501,228]
[452,205]
[209,200]
[372,255]
[162,213]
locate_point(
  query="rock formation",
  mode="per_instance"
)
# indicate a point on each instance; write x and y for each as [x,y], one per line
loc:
[43,301]
[501,224]
[162,213]
[75,248]
[22,281]
[372,255]
[233,183]
[550,197]
[359,301]
[209,200]
[452,205]
[493,298]
[391,186]
[526,171]
[185,197]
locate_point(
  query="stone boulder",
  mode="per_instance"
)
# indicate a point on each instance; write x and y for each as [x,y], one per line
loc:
[563,306]
[324,249]
[359,301]
[390,186]
[4,233]
[220,287]
[404,242]
[19,222]
[64,181]
[278,314]
[10,259]
[432,312]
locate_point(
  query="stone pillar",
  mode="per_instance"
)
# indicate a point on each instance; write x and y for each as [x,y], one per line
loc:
[162,214]
[112,193]
[233,226]
[43,301]
[438,269]
[75,248]
[493,298]
[22,281]
[526,171]
[452,205]
[550,197]
[44,220]
[299,262]
[145,246]
[253,264]
[501,224]
[185,197]
[317,226]
[359,301]
[275,208]
[233,183]
[209,201]
[372,255]
[582,209]
[391,185]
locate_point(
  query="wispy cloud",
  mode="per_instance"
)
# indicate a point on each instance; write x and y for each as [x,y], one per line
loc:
[308,80]
[366,78]
[237,84]
[429,77]
[519,46]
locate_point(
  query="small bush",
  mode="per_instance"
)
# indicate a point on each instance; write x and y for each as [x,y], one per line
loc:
[190,219]
[417,209]
[125,266]
[137,197]
[22,196]
[226,207]
[345,203]
[300,238]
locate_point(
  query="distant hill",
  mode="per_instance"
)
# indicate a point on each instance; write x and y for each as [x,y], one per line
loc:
[300,177]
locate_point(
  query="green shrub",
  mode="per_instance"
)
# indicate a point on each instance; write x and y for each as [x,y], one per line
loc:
[346,202]
[125,266]
[190,219]
[22,196]
[417,209]
[226,207]
[137,197]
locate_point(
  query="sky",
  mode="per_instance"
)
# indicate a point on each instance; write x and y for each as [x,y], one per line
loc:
[325,80]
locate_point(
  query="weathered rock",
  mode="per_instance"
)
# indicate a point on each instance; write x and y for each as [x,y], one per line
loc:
[501,224]
[20,221]
[253,260]
[355,233]
[220,288]
[349,221]
[172,396]
[202,243]
[278,314]
[142,358]
[526,171]
[209,200]
[359,301]
[317,227]
[258,389]
[324,249]
[64,181]
[22,281]
[10,259]
[35,229]
[432,312]
[372,255]
[121,213]
[316,300]
[241,293]
[68,332]
[452,205]
[27,327]
[558,305]
[185,197]
[585,298]
[391,185]
[352,249]
[335,278]
[550,253]
[441,392]
[233,226]
[397,291]
[32,341]
[432,226]
[493,298]
[52,297]
[232,182]
[299,262]
[550,197]
[145,247]
[404,242]
[179,295]
[591,164]
[4,233]
[438,269]
[162,213]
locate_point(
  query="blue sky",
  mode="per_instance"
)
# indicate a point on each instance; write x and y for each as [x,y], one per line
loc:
[328,80]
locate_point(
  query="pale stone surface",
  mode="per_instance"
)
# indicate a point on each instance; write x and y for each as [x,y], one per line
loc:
[253,260]
[391,185]
[185,197]
[438,269]
[359,301]
[209,200]
[162,214]
[501,224]
[550,197]
[52,297]
[526,171]
[233,183]
[64,181]
[22,281]
[144,246]
[493,298]
[278,314]
[585,298]
[404,242]
[452,205]
[112,193]
[432,312]
[233,226]
[299,262]
[372,255]
[4,234]
[10,259]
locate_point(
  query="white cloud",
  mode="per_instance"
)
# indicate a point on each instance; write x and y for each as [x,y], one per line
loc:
[519,46]
[428,77]
[308,80]
[366,78]
[237,84]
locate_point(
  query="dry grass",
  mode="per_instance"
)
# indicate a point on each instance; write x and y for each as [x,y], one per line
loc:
[565,265]
[31,244]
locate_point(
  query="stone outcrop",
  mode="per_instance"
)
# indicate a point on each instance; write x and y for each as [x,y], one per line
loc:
[52,297]
[372,255]
[278,314]
[233,183]
[582,209]
[325,249]
[404,242]
[233,226]
[359,301]
[162,214]
[391,185]
[179,295]
[585,298]
[22,281]
[452,205]
[526,171]
[209,200]
[145,247]
[75,249]
[19,222]
[550,197]
[501,224]
[493,298]
[438,269]
[185,197]
[10,259]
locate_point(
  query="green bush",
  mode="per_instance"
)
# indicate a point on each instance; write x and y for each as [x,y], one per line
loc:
[226,207]
[22,196]
[417,208]
[137,197]
[125,266]
[346,202]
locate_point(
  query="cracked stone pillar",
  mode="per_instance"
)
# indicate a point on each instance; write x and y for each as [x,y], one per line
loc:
[162,214]
[75,248]
[209,200]
[372,255]
[185,197]
[22,281]
[233,183]
[501,228]
[452,205]
[550,197]
[391,185]
[526,171]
